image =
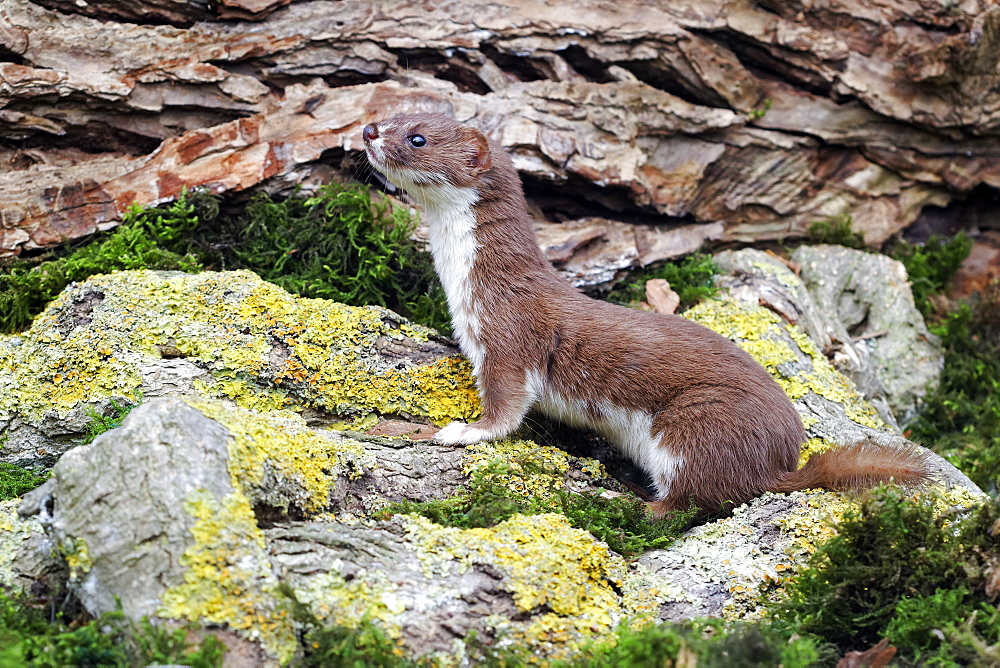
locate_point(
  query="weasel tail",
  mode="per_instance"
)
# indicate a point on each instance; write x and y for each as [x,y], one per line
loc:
[856,467]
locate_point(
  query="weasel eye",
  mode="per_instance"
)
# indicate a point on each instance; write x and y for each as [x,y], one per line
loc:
[417,141]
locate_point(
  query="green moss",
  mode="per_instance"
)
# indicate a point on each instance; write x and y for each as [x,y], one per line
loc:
[366,646]
[961,629]
[100,423]
[961,416]
[529,481]
[338,244]
[705,643]
[930,266]
[32,635]
[141,242]
[837,230]
[691,278]
[16,481]
[888,553]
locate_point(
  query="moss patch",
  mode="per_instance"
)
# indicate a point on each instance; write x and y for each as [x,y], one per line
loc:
[33,635]
[508,478]
[142,242]
[339,244]
[892,561]
[692,278]
[15,481]
[961,417]
[931,265]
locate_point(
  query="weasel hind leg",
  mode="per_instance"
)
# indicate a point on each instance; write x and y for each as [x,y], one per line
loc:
[665,508]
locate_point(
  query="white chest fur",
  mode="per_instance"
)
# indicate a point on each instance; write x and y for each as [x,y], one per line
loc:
[452,225]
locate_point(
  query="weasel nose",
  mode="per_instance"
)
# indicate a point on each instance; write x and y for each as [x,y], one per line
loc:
[370,132]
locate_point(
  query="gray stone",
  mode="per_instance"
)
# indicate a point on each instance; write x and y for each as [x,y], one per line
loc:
[874,330]
[858,308]
[116,507]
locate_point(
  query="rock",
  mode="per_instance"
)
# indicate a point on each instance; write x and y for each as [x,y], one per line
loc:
[859,310]
[979,269]
[145,334]
[873,327]
[97,506]
[594,253]
[29,562]
[722,565]
[197,510]
[175,513]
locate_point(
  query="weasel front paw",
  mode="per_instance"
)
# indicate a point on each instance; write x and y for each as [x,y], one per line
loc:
[459,433]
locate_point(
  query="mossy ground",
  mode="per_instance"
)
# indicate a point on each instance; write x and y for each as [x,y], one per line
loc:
[41,635]
[838,231]
[16,481]
[531,481]
[961,417]
[339,244]
[691,278]
[893,566]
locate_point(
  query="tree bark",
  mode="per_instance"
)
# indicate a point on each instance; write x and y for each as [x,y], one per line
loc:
[745,120]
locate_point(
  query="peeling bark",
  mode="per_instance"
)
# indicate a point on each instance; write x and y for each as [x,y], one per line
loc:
[752,120]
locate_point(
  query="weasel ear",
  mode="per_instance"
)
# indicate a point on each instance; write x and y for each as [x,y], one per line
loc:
[479,157]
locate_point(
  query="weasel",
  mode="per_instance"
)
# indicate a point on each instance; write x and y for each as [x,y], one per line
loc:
[704,420]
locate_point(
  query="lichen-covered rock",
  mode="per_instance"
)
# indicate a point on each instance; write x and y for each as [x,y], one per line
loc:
[27,556]
[856,307]
[730,566]
[202,510]
[533,580]
[226,334]
[173,511]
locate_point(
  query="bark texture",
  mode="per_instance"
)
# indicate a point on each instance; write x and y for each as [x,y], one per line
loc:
[748,120]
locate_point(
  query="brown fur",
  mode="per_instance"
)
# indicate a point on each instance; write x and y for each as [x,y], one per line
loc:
[711,404]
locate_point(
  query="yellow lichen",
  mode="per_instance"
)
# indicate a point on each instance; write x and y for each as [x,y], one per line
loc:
[546,466]
[761,333]
[77,557]
[303,463]
[778,273]
[814,446]
[229,579]
[276,458]
[562,578]
[368,597]
[262,347]
[812,522]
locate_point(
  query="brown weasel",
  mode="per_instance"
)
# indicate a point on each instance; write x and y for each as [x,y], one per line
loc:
[690,407]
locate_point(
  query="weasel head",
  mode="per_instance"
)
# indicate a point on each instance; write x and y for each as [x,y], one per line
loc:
[427,153]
